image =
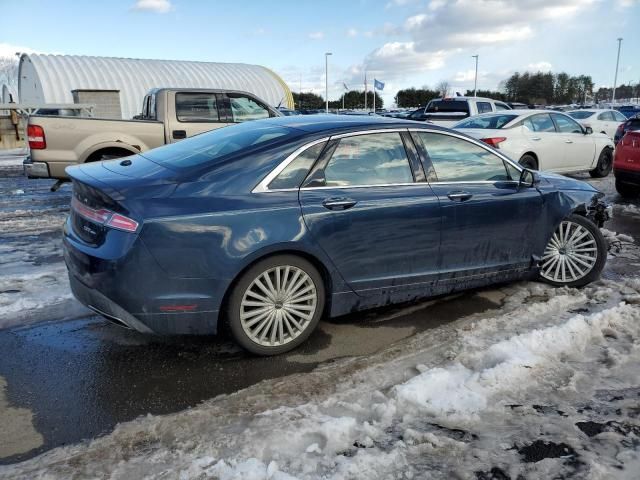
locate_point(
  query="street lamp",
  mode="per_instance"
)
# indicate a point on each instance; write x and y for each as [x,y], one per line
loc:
[615,78]
[326,81]
[475,81]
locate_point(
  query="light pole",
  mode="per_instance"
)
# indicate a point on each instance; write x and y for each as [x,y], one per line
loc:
[615,78]
[475,81]
[326,81]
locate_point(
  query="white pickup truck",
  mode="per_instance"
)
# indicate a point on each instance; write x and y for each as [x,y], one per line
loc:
[168,115]
[450,110]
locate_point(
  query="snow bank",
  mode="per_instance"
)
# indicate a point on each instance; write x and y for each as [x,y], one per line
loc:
[485,393]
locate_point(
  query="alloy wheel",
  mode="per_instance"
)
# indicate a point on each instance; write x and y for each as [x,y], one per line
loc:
[278,305]
[570,255]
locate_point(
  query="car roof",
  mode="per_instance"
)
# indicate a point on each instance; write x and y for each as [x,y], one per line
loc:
[330,123]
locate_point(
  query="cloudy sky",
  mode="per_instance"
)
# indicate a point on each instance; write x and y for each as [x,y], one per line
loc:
[401,42]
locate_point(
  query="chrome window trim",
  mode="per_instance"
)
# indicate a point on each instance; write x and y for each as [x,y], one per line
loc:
[477,142]
[263,186]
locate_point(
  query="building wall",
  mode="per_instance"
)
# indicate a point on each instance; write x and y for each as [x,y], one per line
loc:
[51,78]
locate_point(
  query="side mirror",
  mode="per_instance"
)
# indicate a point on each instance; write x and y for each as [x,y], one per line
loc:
[588,130]
[529,178]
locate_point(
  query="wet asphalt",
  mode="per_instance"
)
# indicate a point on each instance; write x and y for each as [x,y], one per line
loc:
[77,379]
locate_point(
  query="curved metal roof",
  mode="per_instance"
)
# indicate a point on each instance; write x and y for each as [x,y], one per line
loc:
[51,78]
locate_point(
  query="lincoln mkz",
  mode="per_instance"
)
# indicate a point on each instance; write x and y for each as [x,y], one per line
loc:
[266,226]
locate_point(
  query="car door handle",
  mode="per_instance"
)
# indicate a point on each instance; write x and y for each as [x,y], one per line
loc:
[459,196]
[179,134]
[568,141]
[338,203]
[536,139]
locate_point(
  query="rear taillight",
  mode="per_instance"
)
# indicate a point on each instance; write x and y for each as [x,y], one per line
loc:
[494,141]
[104,217]
[35,135]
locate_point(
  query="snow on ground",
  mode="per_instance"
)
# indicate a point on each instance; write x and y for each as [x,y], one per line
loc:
[33,279]
[13,157]
[545,387]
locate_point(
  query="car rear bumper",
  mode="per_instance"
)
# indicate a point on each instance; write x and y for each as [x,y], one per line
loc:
[627,176]
[131,289]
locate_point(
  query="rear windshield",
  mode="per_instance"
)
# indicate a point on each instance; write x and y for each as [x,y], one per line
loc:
[215,145]
[580,115]
[447,106]
[487,121]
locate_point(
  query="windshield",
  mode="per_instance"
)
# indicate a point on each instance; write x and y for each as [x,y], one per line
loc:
[212,146]
[581,115]
[487,121]
[448,106]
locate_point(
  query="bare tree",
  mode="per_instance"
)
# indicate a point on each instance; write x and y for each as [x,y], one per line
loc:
[9,73]
[443,88]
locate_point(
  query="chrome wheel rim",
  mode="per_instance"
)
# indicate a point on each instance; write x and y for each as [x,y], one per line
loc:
[278,306]
[571,254]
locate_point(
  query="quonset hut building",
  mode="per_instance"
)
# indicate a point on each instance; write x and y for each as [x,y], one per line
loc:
[53,78]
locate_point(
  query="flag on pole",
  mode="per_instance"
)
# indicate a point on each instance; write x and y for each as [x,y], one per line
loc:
[345,86]
[378,85]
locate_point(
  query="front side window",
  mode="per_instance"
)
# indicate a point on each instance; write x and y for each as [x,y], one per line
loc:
[484,107]
[458,160]
[294,173]
[372,159]
[196,107]
[244,108]
[566,124]
[540,123]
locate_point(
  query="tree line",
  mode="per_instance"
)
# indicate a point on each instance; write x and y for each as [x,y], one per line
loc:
[352,99]
[543,88]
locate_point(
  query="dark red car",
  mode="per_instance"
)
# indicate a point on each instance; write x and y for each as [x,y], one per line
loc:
[626,165]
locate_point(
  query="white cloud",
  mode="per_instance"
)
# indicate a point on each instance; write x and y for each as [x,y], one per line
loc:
[352,32]
[157,6]
[316,35]
[540,67]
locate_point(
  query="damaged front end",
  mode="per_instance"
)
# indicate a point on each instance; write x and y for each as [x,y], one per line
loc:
[599,211]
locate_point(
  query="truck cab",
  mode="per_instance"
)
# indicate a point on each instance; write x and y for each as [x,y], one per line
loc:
[449,110]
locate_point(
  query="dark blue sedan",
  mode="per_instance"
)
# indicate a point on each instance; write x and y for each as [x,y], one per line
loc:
[268,225]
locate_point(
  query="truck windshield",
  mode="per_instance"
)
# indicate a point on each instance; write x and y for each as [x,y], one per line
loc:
[448,106]
[213,146]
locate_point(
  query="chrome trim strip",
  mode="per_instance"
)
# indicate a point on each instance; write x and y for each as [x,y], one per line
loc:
[423,184]
[368,132]
[263,186]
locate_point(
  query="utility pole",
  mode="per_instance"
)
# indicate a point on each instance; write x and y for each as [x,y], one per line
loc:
[475,81]
[326,81]
[615,78]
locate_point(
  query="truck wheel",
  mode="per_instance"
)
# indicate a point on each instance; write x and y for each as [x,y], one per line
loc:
[626,190]
[575,255]
[604,165]
[276,305]
[108,154]
[529,161]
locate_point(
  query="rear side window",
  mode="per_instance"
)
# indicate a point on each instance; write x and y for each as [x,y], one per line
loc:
[605,116]
[294,173]
[484,107]
[458,160]
[487,121]
[373,159]
[244,108]
[502,106]
[618,117]
[213,146]
[196,107]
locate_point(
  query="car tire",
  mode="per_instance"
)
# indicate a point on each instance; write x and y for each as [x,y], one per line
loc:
[260,317]
[575,255]
[529,161]
[604,165]
[627,190]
